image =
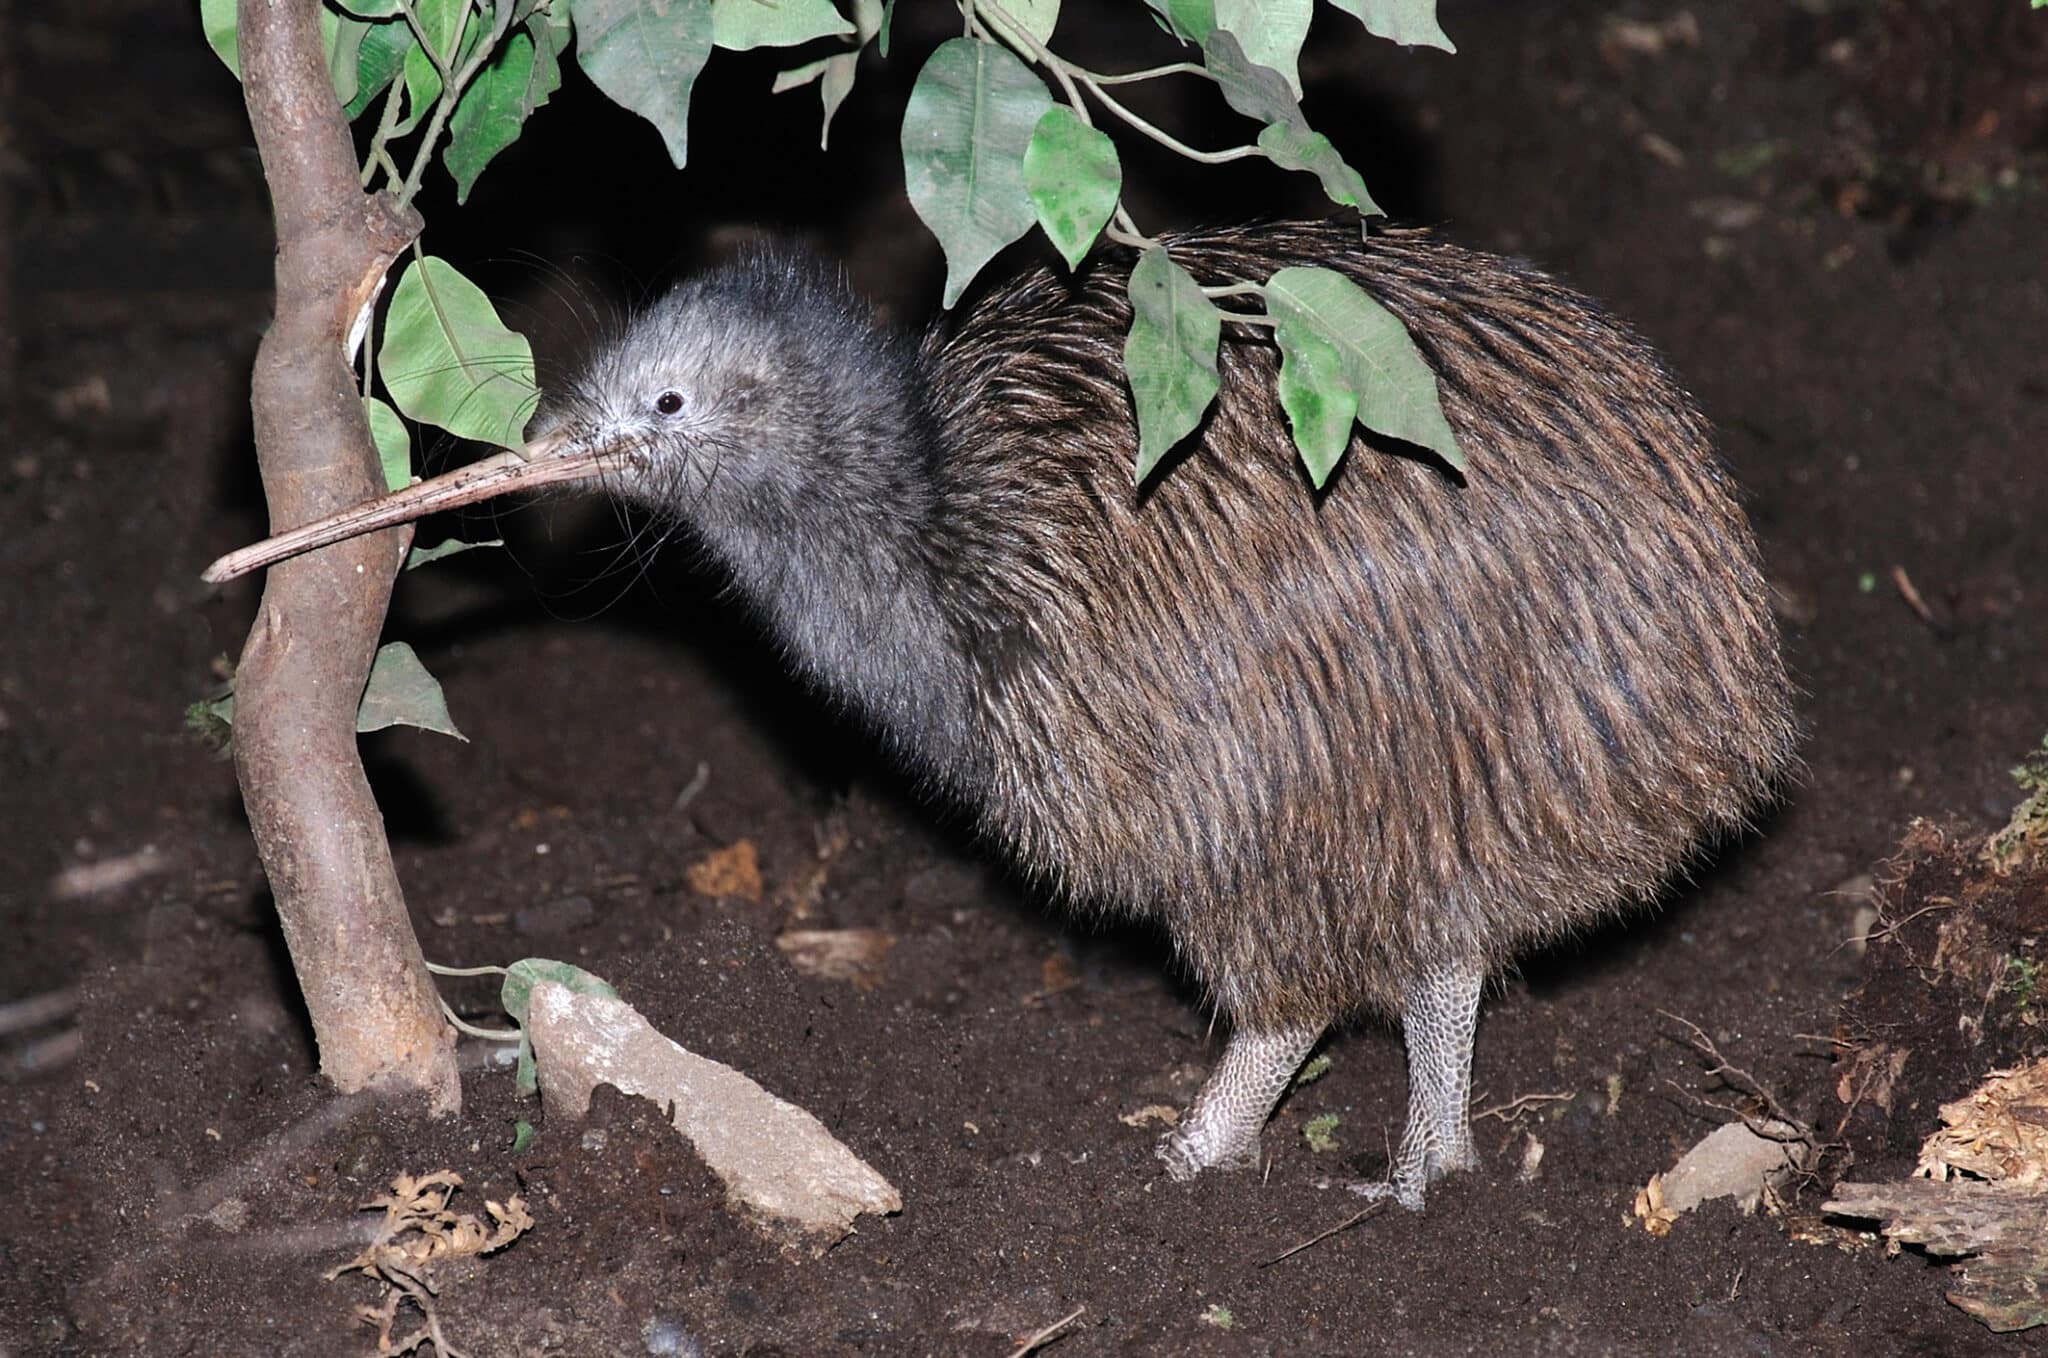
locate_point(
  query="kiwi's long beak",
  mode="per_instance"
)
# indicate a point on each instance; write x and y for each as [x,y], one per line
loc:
[552,458]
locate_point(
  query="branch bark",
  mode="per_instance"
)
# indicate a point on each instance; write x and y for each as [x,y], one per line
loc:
[317,828]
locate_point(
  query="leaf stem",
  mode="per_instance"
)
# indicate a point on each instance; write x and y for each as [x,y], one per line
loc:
[1124,234]
[1129,77]
[419,32]
[1166,139]
[461,1025]
[452,86]
[379,153]
[1013,33]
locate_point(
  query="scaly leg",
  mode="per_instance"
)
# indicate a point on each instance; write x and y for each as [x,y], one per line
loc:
[1221,1129]
[1439,1017]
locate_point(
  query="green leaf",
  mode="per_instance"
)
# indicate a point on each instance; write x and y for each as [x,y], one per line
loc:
[1189,20]
[1270,32]
[646,55]
[1035,17]
[1292,146]
[420,556]
[394,444]
[1074,179]
[833,89]
[217,22]
[522,1135]
[1262,93]
[870,20]
[344,47]
[882,33]
[442,25]
[1169,356]
[516,995]
[970,117]
[1316,393]
[379,62]
[518,80]
[422,88]
[402,693]
[1256,91]
[1412,23]
[212,720]
[449,361]
[835,73]
[1395,387]
[740,25]
[372,9]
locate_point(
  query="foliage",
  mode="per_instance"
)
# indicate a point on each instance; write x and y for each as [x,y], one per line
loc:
[517,997]
[2026,832]
[999,135]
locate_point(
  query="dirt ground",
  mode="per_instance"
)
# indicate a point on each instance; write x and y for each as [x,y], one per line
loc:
[1829,214]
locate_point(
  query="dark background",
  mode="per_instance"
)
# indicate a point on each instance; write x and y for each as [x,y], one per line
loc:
[1829,215]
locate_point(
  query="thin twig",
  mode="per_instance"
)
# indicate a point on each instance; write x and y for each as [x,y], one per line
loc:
[380,152]
[1893,926]
[440,970]
[1911,595]
[1506,1111]
[1346,1224]
[1129,77]
[1166,139]
[1014,33]
[1733,1075]
[698,782]
[1039,1339]
[468,1029]
[20,1015]
[452,87]
[1862,1087]
[1123,236]
[39,1056]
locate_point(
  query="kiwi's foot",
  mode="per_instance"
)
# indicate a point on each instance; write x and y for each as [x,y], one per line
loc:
[1221,1129]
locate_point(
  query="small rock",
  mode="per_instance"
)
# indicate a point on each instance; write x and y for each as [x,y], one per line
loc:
[666,1337]
[1734,1161]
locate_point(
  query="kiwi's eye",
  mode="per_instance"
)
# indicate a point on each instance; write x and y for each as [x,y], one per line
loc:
[669,403]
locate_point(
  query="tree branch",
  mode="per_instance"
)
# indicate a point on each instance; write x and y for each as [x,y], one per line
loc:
[374,1010]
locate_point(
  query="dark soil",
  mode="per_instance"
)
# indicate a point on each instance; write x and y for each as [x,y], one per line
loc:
[1829,215]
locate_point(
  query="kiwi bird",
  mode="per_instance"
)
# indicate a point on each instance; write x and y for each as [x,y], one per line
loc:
[1352,750]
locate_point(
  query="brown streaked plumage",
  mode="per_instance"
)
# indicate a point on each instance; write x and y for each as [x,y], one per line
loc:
[1354,749]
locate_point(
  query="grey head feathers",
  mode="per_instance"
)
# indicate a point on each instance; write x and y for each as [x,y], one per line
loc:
[763,407]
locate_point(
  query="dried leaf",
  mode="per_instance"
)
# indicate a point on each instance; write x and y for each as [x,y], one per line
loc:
[734,870]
